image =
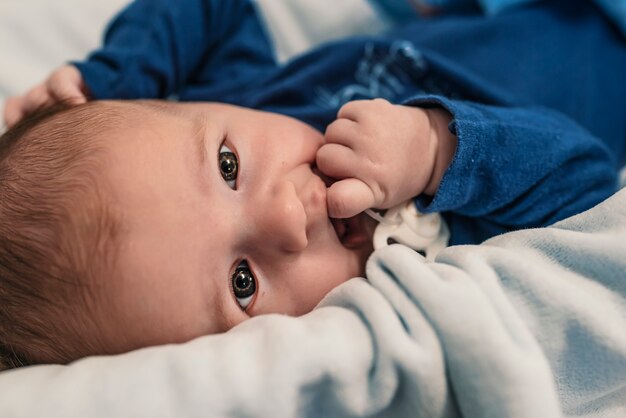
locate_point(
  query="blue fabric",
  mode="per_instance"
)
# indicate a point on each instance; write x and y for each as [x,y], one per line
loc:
[614,9]
[509,164]
[399,11]
[536,99]
[156,48]
[496,6]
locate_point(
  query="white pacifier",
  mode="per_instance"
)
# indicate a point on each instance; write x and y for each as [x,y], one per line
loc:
[424,232]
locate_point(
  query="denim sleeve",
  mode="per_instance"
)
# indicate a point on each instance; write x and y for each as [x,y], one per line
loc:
[154,47]
[519,167]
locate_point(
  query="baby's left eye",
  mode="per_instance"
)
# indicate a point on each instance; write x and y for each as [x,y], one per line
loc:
[243,284]
[228,166]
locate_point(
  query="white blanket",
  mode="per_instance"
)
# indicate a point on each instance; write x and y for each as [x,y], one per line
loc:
[526,325]
[529,324]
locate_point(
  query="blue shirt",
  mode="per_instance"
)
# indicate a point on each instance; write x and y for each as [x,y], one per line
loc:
[537,102]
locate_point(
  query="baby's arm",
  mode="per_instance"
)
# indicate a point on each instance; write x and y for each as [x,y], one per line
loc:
[383,154]
[153,48]
[519,167]
[509,167]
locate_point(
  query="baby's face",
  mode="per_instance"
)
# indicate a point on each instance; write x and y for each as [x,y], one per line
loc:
[224,218]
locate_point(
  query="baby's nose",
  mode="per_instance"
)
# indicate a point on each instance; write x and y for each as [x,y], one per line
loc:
[279,220]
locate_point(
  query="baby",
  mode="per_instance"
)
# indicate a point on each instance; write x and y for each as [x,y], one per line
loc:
[144,223]
[141,223]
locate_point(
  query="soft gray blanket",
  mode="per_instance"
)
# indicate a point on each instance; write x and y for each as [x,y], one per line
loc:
[530,324]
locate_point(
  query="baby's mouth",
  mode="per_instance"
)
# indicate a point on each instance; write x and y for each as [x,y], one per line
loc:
[350,231]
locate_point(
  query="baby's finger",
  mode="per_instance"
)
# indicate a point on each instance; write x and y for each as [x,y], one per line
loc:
[337,161]
[350,110]
[35,99]
[13,111]
[69,93]
[356,109]
[66,85]
[342,131]
[348,197]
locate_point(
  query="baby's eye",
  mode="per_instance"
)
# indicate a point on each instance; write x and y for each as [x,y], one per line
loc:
[243,284]
[228,165]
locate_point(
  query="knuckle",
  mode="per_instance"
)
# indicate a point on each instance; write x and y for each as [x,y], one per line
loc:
[322,157]
[345,108]
[59,91]
[36,95]
[380,183]
[60,72]
[331,129]
[339,132]
[381,192]
[350,107]
[380,102]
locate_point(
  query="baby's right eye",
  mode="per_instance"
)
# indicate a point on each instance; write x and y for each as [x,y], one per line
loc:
[243,284]
[228,166]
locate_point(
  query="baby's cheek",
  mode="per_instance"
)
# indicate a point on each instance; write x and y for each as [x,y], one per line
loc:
[353,265]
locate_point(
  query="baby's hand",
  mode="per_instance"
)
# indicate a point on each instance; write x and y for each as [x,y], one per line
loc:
[383,154]
[64,85]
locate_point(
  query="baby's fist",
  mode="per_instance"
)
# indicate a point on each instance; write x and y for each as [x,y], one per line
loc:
[63,85]
[382,154]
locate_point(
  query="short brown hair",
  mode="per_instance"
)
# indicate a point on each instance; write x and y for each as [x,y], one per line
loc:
[56,232]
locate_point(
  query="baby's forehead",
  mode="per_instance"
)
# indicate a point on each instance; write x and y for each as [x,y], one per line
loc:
[148,156]
[154,108]
[130,111]
[149,116]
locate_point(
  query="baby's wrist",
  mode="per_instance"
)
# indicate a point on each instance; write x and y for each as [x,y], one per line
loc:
[445,143]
